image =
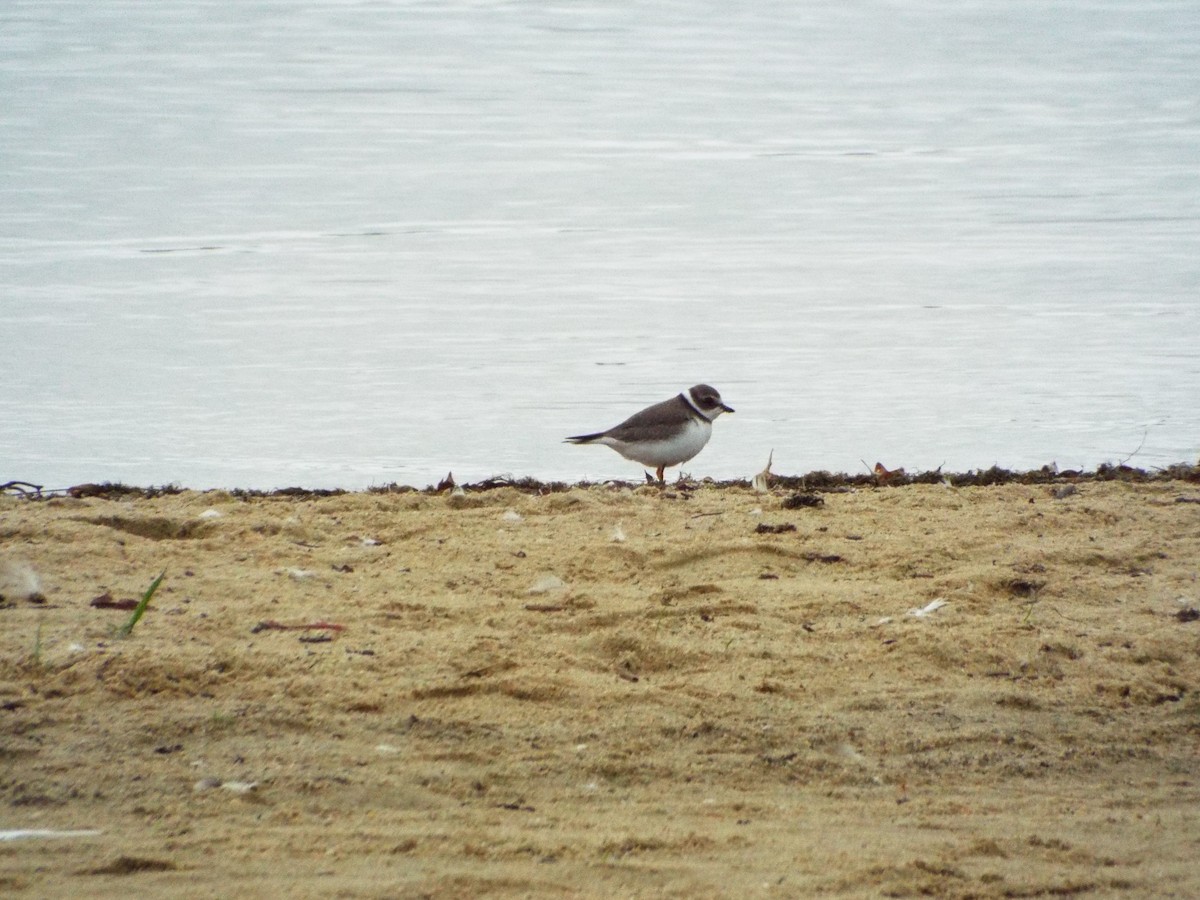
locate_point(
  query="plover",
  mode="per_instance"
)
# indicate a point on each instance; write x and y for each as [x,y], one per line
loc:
[665,434]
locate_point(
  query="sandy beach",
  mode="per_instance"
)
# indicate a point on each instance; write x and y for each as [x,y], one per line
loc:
[697,691]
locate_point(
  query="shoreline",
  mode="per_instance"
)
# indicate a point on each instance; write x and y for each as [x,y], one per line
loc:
[818,481]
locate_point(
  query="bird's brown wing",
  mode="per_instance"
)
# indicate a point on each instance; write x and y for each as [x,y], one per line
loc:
[655,422]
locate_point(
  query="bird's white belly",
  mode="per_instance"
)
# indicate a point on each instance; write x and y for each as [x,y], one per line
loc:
[669,452]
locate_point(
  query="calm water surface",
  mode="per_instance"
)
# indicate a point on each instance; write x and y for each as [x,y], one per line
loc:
[341,244]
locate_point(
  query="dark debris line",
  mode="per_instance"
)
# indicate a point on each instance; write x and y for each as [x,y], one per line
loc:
[819,481]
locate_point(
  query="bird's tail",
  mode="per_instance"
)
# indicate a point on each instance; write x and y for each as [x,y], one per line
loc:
[584,438]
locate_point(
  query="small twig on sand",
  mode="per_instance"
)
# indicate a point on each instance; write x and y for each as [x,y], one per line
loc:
[24,488]
[272,625]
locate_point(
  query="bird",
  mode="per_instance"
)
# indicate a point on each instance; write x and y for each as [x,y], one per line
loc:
[665,434]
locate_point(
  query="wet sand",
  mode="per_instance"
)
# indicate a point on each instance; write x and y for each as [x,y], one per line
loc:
[925,690]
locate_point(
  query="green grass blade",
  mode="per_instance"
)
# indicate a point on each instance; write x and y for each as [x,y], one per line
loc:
[127,629]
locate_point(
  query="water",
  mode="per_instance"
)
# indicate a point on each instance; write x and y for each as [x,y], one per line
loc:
[343,244]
